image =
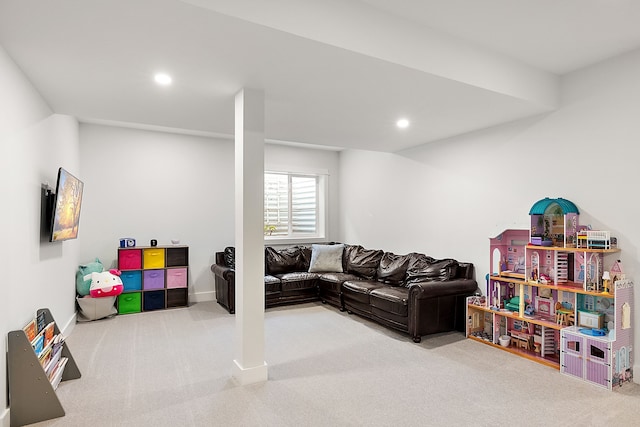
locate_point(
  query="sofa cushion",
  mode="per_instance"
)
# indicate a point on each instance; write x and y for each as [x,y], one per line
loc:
[359,290]
[278,261]
[364,262]
[230,257]
[428,270]
[297,276]
[304,260]
[417,264]
[391,299]
[326,258]
[338,277]
[393,268]
[298,281]
[333,281]
[345,256]
[271,284]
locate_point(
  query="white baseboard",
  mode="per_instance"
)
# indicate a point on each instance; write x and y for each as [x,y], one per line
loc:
[203,296]
[67,328]
[5,419]
[245,376]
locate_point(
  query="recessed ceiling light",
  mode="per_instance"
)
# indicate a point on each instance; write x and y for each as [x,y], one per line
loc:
[402,123]
[163,79]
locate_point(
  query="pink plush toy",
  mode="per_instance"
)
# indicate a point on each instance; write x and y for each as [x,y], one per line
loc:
[105,284]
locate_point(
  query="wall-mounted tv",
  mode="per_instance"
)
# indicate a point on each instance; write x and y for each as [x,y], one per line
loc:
[66,207]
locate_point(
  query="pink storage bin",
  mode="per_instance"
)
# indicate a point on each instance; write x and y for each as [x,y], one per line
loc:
[129,259]
[177,278]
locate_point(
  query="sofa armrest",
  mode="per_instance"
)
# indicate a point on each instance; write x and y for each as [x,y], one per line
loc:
[225,272]
[434,289]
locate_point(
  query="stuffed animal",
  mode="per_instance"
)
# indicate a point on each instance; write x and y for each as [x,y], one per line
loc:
[83,276]
[105,284]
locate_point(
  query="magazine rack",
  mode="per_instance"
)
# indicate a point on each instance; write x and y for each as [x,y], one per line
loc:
[32,398]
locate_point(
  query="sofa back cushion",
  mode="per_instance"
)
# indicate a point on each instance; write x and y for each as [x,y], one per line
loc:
[230,257]
[363,262]
[279,261]
[393,268]
[423,268]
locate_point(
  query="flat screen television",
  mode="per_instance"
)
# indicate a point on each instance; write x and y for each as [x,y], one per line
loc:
[66,207]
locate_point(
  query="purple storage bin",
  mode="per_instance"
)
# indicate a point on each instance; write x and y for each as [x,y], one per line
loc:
[153,279]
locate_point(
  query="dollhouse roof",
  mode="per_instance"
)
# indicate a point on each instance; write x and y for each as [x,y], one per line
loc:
[540,207]
[617,267]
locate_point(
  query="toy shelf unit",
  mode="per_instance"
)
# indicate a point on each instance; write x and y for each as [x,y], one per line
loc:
[154,278]
[38,359]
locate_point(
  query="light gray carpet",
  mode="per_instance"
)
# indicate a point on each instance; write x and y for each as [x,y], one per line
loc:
[326,368]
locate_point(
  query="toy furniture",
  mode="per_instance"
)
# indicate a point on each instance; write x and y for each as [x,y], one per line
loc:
[564,316]
[594,239]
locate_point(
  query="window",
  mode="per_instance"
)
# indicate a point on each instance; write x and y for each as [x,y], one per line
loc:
[293,205]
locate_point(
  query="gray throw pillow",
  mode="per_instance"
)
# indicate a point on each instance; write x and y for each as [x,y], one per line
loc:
[326,258]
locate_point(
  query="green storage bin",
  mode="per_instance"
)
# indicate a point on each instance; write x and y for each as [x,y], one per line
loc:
[130,302]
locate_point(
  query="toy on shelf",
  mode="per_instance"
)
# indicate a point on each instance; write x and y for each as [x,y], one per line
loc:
[564,314]
[617,271]
[606,280]
[595,239]
[554,222]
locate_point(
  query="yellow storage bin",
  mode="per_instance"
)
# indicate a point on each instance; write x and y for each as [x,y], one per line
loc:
[153,258]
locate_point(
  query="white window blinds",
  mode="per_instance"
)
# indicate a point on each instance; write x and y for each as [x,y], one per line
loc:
[290,205]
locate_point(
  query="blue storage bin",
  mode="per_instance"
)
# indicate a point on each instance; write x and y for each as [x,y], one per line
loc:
[132,280]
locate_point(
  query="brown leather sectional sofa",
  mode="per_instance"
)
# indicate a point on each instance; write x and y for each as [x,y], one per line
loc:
[412,293]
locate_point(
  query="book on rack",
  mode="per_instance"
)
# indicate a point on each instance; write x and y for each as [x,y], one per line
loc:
[49,332]
[38,343]
[58,341]
[57,372]
[51,365]
[45,356]
[40,321]
[31,330]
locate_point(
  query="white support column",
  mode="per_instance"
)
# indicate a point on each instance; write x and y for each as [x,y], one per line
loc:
[249,365]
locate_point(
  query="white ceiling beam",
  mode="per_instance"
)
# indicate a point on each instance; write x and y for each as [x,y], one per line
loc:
[359,28]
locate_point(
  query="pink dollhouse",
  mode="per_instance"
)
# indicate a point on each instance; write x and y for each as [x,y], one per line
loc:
[550,298]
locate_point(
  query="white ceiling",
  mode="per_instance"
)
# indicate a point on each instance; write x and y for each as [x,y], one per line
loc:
[335,73]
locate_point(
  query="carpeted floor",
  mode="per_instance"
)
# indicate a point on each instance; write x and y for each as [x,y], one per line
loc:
[326,368]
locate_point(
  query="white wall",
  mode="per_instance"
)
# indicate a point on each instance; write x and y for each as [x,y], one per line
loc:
[33,145]
[154,185]
[448,198]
